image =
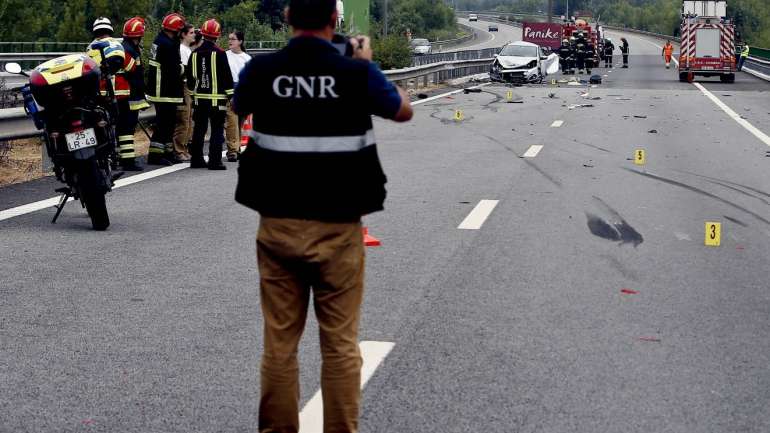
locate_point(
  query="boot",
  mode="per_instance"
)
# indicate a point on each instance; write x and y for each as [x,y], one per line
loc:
[131,164]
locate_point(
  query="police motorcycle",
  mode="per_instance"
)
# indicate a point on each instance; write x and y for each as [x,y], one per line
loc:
[63,98]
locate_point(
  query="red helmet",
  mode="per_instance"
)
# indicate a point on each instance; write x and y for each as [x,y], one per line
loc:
[211,29]
[173,22]
[134,28]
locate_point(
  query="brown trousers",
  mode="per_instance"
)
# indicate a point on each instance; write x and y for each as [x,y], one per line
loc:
[296,257]
[232,130]
[183,129]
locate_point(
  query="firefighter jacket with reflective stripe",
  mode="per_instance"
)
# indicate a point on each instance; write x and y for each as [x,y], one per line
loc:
[165,71]
[133,78]
[312,152]
[118,61]
[208,75]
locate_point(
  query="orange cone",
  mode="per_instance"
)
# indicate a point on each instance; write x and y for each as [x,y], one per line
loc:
[245,132]
[369,240]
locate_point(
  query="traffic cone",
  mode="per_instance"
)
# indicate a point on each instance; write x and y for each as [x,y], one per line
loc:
[245,132]
[369,240]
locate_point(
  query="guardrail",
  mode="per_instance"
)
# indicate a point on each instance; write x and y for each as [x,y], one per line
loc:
[442,67]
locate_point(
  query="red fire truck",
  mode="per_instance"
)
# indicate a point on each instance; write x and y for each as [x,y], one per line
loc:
[570,28]
[708,41]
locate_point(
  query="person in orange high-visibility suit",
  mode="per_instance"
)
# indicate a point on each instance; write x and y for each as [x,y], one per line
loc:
[668,52]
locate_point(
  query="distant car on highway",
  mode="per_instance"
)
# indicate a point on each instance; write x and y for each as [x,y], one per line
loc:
[473,17]
[492,28]
[421,46]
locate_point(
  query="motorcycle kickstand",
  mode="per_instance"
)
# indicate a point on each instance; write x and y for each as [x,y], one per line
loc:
[62,201]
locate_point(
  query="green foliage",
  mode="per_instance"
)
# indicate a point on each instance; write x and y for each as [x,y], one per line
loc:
[392,52]
[431,19]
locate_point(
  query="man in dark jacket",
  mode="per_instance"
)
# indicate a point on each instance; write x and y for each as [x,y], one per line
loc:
[165,89]
[311,170]
[608,49]
[565,53]
[624,50]
[211,82]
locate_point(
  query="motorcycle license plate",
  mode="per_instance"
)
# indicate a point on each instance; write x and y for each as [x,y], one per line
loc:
[81,139]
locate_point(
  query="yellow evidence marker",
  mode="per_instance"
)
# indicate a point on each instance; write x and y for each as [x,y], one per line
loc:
[459,115]
[713,233]
[509,95]
[639,157]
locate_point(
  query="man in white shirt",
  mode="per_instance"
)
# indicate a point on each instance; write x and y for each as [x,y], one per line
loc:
[237,59]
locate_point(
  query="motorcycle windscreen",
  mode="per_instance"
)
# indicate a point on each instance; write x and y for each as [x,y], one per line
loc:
[551,64]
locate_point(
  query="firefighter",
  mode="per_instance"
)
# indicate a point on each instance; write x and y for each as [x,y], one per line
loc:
[624,50]
[564,54]
[581,52]
[668,52]
[211,82]
[129,91]
[744,55]
[590,55]
[609,47]
[572,54]
[165,88]
[121,64]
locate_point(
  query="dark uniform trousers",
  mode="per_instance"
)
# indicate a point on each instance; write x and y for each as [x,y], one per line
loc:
[165,123]
[204,112]
[125,128]
[296,258]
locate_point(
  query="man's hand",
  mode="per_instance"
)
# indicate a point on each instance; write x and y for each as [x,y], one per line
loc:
[362,48]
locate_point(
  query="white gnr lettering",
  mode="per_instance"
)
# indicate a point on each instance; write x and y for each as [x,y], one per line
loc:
[285,86]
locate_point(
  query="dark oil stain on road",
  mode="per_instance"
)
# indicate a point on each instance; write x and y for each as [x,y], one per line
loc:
[619,231]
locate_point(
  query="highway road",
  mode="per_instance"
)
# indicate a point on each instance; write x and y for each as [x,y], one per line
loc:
[531,278]
[488,39]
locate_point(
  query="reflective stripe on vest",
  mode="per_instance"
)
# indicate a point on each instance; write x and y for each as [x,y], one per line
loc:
[213,73]
[281,143]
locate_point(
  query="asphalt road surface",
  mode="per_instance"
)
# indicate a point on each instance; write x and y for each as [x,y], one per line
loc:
[486,39]
[560,288]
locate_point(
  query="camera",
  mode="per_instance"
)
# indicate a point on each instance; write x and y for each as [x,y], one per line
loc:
[342,44]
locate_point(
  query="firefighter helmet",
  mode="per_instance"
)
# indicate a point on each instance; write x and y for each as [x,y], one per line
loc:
[173,22]
[102,23]
[134,28]
[211,29]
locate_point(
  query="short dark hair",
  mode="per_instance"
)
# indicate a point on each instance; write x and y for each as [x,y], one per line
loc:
[311,14]
[198,36]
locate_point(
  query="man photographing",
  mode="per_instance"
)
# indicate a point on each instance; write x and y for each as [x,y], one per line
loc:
[311,170]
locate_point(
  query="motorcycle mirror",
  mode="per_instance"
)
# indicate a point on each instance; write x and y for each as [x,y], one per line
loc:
[13,68]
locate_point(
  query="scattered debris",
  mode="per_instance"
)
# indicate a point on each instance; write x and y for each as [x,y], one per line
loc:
[623,99]
[471,90]
[629,292]
[640,117]
[423,96]
[572,107]
[551,95]
[653,131]
[650,339]
[726,94]
[573,83]
[588,166]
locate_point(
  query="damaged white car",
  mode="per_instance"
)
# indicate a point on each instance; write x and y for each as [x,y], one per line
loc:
[523,62]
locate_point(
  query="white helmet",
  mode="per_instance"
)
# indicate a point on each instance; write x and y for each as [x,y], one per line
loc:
[102,23]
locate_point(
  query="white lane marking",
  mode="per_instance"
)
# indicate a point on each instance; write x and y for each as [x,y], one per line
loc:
[735,116]
[478,215]
[532,151]
[311,418]
[453,92]
[557,123]
[53,201]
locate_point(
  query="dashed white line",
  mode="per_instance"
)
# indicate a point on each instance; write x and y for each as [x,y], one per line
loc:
[311,418]
[532,151]
[735,116]
[557,123]
[478,215]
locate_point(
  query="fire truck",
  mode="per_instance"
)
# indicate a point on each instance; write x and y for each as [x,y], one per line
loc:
[708,41]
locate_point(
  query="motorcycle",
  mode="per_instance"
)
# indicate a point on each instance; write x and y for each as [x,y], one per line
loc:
[78,125]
